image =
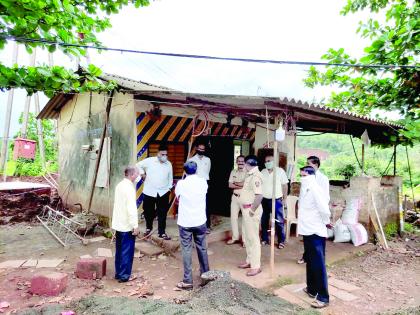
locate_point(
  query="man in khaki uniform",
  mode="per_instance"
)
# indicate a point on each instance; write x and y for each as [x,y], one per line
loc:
[250,199]
[236,182]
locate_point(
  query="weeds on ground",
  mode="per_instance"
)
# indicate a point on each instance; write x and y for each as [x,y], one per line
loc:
[280,282]
[408,311]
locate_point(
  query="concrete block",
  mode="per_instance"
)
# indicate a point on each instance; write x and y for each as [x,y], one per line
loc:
[103,252]
[91,268]
[49,263]
[339,284]
[49,283]
[30,263]
[341,294]
[291,298]
[10,264]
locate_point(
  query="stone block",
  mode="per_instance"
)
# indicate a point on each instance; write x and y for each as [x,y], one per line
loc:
[49,263]
[10,264]
[339,284]
[103,252]
[49,283]
[91,268]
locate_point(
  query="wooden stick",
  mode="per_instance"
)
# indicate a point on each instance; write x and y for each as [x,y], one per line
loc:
[40,133]
[101,145]
[273,202]
[27,107]
[379,223]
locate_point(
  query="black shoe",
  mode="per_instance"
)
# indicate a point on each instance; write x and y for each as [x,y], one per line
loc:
[164,236]
[147,232]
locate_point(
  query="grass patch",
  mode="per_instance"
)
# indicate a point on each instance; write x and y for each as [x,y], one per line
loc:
[278,283]
[391,230]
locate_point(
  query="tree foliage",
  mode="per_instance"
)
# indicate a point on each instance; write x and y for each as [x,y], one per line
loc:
[65,21]
[363,89]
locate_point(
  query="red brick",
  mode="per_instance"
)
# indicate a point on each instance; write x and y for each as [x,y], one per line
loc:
[49,283]
[91,268]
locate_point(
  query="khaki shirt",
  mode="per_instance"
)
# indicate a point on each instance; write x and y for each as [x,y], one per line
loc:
[252,187]
[237,176]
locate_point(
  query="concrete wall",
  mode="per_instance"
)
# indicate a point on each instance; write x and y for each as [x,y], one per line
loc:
[76,129]
[385,192]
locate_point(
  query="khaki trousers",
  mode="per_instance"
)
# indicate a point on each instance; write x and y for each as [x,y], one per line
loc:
[251,237]
[235,208]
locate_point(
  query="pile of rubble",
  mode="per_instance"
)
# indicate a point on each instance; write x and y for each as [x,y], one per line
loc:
[221,295]
[23,207]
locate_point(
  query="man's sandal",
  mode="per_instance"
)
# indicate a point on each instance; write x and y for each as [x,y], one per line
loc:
[281,246]
[319,304]
[184,286]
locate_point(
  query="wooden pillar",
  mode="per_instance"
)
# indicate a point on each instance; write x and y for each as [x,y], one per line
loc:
[7,118]
[40,133]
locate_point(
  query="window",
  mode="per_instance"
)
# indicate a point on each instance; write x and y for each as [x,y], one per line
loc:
[177,154]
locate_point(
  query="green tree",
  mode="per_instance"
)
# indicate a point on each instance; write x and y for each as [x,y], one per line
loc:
[65,21]
[27,167]
[363,89]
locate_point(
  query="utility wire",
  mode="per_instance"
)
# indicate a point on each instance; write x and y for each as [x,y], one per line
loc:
[290,62]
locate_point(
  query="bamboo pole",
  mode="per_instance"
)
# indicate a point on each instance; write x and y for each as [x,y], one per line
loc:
[24,129]
[101,145]
[8,117]
[40,133]
[273,202]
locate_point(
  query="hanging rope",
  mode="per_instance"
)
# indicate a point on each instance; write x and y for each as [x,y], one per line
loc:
[354,150]
[386,170]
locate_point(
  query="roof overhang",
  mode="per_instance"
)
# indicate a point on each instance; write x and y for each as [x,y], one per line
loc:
[306,116]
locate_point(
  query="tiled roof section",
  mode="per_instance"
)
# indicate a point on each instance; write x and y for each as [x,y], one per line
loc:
[293,102]
[132,84]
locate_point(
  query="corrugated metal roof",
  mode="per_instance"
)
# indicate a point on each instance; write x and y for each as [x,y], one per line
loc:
[251,103]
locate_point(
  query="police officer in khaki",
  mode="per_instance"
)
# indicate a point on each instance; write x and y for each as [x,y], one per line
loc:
[250,199]
[236,182]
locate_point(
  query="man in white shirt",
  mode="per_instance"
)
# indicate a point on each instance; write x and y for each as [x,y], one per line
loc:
[236,182]
[125,222]
[203,170]
[158,182]
[313,221]
[191,192]
[322,181]
[281,194]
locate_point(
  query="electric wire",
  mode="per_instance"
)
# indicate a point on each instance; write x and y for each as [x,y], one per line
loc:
[193,56]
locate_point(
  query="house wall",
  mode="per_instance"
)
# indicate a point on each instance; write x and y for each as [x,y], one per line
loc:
[385,193]
[80,123]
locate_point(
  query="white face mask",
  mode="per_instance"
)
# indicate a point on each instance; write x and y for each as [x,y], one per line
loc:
[138,178]
[163,158]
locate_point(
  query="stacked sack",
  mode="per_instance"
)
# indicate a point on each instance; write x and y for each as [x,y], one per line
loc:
[348,227]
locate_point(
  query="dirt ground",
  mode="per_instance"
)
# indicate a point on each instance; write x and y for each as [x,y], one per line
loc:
[389,280]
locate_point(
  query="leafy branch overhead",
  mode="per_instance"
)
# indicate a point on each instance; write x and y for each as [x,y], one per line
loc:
[362,90]
[67,21]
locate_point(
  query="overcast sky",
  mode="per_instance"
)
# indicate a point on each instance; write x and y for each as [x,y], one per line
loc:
[267,29]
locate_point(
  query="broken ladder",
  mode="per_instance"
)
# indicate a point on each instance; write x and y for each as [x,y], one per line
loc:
[64,229]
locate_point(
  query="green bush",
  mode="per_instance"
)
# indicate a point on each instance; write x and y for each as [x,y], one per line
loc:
[409,228]
[390,230]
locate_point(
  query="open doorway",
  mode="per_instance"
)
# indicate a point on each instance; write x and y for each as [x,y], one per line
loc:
[221,153]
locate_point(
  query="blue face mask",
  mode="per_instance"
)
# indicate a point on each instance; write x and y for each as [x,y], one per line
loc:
[269,165]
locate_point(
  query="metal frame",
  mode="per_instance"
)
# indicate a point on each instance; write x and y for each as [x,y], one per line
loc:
[61,227]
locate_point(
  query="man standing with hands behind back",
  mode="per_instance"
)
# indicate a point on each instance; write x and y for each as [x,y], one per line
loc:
[250,199]
[236,182]
[125,222]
